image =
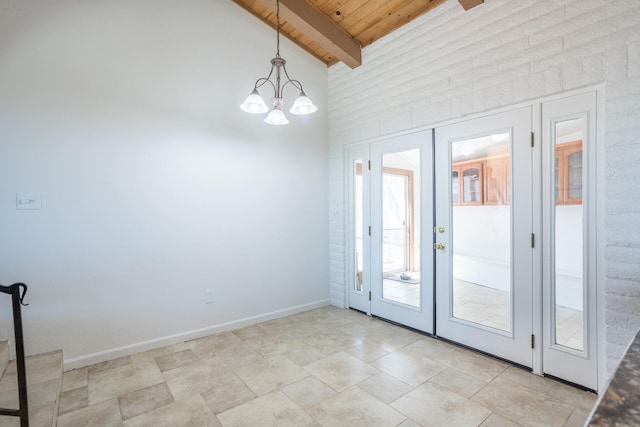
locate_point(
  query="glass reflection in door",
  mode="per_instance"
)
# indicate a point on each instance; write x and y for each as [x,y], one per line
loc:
[568,235]
[358,225]
[481,230]
[400,227]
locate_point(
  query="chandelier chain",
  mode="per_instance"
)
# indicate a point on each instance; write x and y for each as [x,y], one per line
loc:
[278,28]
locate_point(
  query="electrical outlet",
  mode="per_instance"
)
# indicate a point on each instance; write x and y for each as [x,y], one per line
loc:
[208,296]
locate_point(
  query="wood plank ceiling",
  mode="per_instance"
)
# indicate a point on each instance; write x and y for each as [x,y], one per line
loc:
[336,30]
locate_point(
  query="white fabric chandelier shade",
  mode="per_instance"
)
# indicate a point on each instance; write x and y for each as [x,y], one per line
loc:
[255,104]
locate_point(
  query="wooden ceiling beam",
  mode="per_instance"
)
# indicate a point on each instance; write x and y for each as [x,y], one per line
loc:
[468,4]
[321,29]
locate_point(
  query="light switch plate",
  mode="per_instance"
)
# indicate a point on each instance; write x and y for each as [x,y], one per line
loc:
[30,201]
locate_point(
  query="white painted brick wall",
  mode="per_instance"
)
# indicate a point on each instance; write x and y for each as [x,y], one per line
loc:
[450,63]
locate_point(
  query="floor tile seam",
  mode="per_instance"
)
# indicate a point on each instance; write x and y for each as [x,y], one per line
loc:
[31,406]
[399,397]
[86,408]
[106,362]
[110,370]
[430,381]
[471,374]
[574,412]
[199,360]
[117,399]
[29,385]
[241,380]
[413,353]
[546,396]
[467,399]
[56,406]
[173,400]
[59,413]
[12,371]
[509,418]
[488,416]
[345,391]
[486,383]
[306,411]
[119,395]
[45,355]
[323,382]
[257,395]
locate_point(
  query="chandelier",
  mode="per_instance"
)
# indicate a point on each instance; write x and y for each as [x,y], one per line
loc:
[255,104]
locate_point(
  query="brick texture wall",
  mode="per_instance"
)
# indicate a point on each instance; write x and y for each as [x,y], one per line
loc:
[451,63]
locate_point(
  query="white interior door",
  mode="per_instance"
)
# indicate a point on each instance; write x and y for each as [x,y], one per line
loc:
[401,221]
[569,265]
[358,242]
[484,254]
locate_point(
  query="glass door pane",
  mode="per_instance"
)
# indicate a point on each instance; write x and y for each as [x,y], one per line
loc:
[358,242]
[400,223]
[568,235]
[358,228]
[481,229]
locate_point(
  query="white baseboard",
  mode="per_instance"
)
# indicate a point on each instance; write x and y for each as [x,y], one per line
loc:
[114,353]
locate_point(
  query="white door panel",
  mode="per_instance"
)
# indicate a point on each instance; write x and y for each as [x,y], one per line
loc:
[569,209]
[401,222]
[484,256]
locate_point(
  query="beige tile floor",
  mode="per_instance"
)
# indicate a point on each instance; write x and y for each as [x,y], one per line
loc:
[489,307]
[44,372]
[325,367]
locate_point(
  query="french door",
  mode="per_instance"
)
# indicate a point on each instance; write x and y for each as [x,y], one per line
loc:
[390,239]
[569,267]
[484,234]
[484,254]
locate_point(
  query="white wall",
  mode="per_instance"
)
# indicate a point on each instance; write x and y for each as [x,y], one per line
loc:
[6,333]
[155,185]
[450,63]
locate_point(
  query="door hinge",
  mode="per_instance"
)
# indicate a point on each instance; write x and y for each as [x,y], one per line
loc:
[533,240]
[533,341]
[532,139]
[369,230]
[369,295]
[369,163]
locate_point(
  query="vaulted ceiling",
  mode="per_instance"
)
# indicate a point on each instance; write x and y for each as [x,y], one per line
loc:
[336,30]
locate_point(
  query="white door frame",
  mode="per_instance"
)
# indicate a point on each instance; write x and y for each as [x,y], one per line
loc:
[600,240]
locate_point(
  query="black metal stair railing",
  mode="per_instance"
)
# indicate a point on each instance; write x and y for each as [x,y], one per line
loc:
[17,299]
